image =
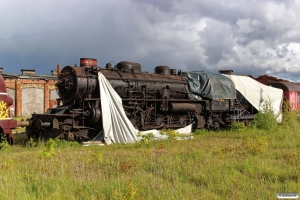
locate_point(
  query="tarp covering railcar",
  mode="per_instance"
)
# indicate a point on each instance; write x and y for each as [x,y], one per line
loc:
[259,94]
[210,85]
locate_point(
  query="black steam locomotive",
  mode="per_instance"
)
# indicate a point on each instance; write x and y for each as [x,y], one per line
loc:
[166,98]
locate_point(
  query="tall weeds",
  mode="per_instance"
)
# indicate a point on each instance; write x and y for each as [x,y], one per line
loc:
[266,119]
[289,117]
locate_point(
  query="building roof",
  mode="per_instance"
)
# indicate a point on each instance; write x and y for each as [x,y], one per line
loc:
[31,76]
[271,78]
[286,86]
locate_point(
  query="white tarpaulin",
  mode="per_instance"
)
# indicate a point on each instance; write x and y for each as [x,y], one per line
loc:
[258,94]
[184,133]
[117,128]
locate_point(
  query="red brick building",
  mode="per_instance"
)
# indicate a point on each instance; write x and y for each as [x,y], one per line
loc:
[265,79]
[31,92]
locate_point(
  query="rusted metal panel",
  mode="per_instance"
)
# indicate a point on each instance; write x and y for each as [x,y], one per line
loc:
[182,107]
[84,62]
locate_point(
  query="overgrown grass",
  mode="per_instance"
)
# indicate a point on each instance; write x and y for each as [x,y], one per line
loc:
[242,164]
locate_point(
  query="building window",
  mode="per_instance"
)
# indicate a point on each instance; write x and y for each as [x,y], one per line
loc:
[298,98]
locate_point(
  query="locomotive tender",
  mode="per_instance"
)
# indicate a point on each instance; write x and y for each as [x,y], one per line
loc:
[163,99]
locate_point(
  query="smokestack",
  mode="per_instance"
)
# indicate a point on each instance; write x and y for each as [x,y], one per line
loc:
[58,70]
[228,71]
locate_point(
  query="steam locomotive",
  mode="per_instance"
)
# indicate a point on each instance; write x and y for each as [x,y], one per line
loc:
[166,98]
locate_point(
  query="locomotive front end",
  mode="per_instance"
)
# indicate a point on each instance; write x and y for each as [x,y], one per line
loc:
[79,116]
[77,83]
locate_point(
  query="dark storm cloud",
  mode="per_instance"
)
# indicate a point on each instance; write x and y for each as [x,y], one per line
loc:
[250,37]
[218,42]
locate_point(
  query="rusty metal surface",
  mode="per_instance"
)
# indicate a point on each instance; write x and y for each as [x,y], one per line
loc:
[23,123]
[164,70]
[182,107]
[84,62]
[129,67]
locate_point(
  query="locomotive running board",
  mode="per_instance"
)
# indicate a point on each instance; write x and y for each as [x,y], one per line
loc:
[242,117]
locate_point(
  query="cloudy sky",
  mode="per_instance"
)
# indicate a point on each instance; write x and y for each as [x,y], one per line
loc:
[251,37]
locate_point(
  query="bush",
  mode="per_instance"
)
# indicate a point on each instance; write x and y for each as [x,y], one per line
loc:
[49,150]
[145,139]
[266,118]
[172,134]
[4,145]
[238,126]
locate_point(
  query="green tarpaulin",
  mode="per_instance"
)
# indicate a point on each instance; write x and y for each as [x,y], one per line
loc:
[210,85]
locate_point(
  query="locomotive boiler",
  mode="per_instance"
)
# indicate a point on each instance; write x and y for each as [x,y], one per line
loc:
[166,98]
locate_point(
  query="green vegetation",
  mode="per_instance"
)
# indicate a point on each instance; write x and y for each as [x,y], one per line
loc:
[266,119]
[246,163]
[238,126]
[4,145]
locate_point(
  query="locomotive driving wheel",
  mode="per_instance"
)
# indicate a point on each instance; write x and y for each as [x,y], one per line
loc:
[150,118]
[211,124]
[216,126]
[159,120]
[153,120]
[184,120]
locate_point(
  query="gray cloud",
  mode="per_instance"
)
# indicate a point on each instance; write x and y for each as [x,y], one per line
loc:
[250,37]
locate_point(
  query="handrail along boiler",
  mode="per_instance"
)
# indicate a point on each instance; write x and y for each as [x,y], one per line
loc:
[151,101]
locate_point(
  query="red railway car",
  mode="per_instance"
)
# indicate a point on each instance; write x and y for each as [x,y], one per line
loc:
[6,122]
[291,92]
